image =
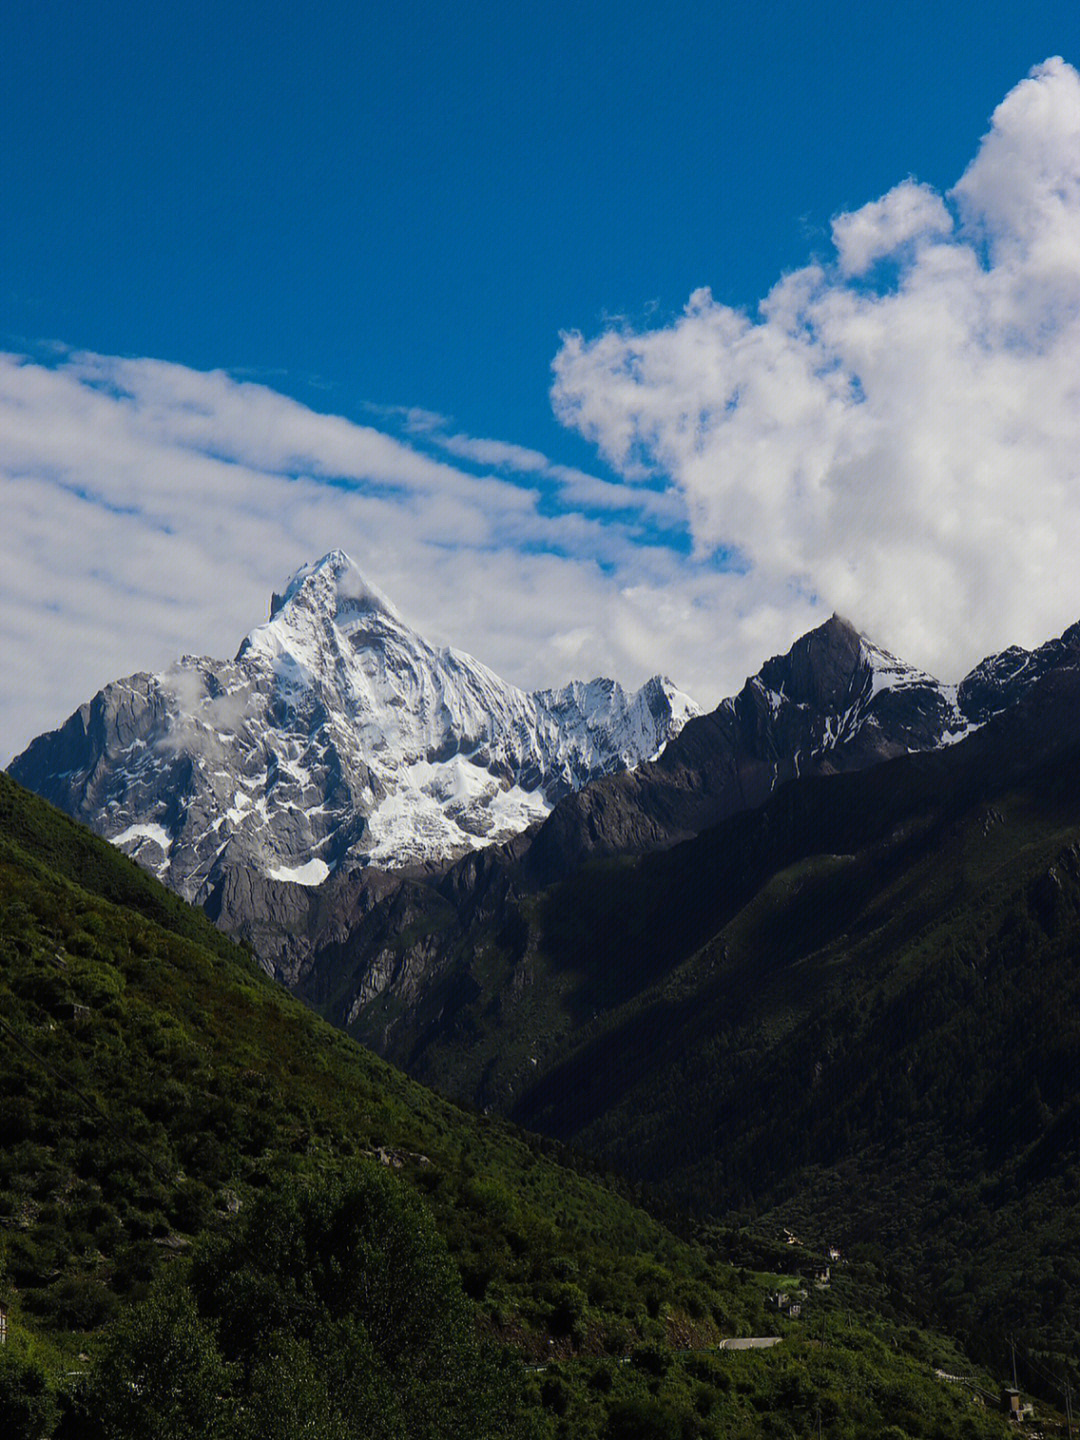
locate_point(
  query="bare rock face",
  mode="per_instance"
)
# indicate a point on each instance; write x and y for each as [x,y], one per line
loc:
[835,702]
[1000,681]
[337,739]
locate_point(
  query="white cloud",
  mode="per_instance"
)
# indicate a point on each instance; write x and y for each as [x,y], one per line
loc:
[496,453]
[149,510]
[905,447]
[895,435]
[908,212]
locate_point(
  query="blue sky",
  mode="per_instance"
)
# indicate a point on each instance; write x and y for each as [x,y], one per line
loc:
[404,204]
[391,214]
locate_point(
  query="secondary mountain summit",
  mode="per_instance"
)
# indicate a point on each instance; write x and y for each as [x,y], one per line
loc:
[338,736]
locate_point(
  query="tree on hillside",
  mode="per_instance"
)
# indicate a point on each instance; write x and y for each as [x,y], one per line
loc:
[342,1295]
[161,1376]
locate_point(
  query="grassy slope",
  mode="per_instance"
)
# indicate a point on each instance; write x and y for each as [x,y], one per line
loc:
[189,1077]
[152,1079]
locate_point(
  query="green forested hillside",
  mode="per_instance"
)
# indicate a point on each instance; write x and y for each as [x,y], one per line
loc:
[888,1059]
[219,1216]
[852,1011]
[882,1045]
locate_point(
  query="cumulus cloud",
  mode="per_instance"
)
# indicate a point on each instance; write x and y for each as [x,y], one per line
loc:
[896,432]
[908,212]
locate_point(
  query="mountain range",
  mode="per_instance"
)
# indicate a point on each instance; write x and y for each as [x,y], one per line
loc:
[808,960]
[295,788]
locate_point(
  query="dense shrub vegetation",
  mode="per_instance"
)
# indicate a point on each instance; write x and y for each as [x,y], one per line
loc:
[220,1216]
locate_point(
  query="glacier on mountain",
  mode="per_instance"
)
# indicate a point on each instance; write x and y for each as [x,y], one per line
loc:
[338,737]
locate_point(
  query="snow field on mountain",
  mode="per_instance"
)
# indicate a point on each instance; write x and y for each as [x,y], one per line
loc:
[340,737]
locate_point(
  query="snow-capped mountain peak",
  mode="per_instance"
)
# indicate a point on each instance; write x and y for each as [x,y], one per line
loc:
[322,604]
[338,736]
[335,586]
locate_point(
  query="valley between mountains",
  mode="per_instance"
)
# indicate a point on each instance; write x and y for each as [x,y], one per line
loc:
[807,963]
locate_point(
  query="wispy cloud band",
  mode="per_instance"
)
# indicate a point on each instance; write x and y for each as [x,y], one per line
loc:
[150,509]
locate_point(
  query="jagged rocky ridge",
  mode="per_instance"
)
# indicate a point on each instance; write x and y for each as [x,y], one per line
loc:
[337,738]
[835,704]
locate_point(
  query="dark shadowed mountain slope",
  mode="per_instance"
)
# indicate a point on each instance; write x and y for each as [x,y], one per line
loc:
[402,971]
[162,1102]
[853,1008]
[414,974]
